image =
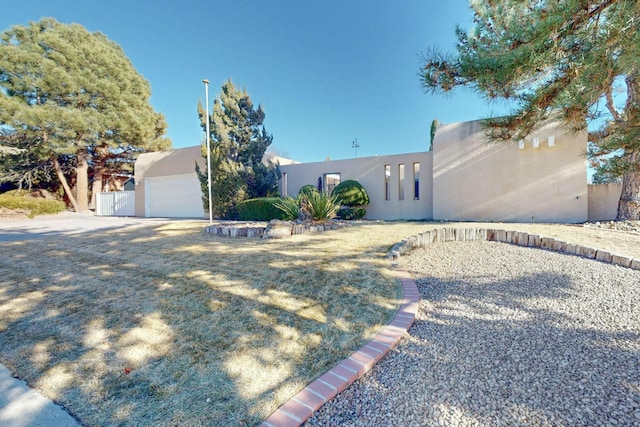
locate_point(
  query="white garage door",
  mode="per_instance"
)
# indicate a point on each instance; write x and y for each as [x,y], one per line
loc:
[174,196]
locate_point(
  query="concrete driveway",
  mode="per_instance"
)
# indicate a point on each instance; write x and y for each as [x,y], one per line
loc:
[66,223]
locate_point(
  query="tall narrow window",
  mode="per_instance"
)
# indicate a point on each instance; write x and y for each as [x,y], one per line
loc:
[416,181]
[387,182]
[330,181]
[285,190]
[400,181]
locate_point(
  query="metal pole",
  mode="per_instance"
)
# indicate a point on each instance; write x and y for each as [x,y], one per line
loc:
[206,100]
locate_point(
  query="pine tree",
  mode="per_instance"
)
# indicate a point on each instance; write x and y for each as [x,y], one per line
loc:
[72,92]
[574,60]
[238,141]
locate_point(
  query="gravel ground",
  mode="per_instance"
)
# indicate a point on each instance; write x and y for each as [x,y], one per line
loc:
[506,336]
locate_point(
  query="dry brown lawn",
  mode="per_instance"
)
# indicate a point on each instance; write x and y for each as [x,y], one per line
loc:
[166,325]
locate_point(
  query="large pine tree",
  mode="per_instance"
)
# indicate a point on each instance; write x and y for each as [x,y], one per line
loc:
[573,59]
[68,93]
[239,141]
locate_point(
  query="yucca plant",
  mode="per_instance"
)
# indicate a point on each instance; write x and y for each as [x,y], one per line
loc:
[289,206]
[321,207]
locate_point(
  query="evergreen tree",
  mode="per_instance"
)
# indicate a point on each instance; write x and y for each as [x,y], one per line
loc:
[239,141]
[70,92]
[575,60]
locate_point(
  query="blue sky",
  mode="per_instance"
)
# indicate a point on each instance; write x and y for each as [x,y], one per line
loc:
[325,72]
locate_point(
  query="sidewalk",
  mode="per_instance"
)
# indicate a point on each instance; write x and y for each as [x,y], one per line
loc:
[21,406]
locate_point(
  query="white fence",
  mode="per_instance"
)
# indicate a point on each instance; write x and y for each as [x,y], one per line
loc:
[116,203]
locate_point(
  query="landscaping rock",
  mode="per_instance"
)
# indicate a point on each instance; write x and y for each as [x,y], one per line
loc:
[277,229]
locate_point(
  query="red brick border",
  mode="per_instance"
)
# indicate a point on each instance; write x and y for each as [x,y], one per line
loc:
[301,406]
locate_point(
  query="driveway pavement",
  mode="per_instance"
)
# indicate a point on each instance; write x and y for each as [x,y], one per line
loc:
[65,223]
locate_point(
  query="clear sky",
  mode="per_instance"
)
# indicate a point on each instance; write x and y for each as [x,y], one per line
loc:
[325,72]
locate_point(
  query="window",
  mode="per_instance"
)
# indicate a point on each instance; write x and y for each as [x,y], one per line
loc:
[285,190]
[330,181]
[401,181]
[416,181]
[387,180]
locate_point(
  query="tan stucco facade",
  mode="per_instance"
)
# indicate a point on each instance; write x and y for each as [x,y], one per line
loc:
[542,181]
[464,178]
[386,200]
[177,162]
[603,201]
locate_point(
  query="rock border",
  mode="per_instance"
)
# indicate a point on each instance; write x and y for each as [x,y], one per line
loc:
[271,230]
[519,238]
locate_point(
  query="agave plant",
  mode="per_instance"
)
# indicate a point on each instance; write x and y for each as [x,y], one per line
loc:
[289,206]
[321,207]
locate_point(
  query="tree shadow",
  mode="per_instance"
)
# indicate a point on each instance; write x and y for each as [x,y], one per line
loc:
[143,325]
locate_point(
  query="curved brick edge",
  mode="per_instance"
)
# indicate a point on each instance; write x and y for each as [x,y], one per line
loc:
[301,406]
[519,238]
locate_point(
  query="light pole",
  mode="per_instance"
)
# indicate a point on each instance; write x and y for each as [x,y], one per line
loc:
[206,100]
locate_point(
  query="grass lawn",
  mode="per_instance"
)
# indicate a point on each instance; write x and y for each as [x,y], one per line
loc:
[166,325]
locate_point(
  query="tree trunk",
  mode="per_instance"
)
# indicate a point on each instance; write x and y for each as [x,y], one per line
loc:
[82,180]
[63,181]
[629,204]
[96,187]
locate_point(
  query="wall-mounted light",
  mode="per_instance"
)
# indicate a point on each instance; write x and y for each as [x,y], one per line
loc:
[551,141]
[521,144]
[536,142]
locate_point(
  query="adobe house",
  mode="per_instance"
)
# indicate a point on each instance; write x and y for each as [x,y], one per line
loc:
[464,178]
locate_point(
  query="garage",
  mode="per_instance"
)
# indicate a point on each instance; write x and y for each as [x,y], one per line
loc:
[173,196]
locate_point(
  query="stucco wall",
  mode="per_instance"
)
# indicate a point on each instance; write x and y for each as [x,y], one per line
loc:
[370,172]
[164,163]
[603,201]
[479,181]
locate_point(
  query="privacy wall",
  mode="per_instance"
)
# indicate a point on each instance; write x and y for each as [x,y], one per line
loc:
[542,178]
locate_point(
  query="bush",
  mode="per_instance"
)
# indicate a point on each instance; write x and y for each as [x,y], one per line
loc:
[305,190]
[260,209]
[33,205]
[351,193]
[349,213]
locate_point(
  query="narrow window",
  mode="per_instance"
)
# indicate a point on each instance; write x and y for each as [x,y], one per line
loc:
[285,190]
[416,181]
[400,181]
[387,181]
[330,181]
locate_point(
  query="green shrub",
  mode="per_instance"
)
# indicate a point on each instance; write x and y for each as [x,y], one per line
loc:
[33,205]
[289,206]
[321,207]
[349,213]
[305,190]
[260,209]
[351,193]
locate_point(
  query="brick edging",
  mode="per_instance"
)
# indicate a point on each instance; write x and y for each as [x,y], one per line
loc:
[301,406]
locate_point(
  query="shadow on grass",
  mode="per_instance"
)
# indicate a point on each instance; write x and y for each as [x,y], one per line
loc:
[167,325]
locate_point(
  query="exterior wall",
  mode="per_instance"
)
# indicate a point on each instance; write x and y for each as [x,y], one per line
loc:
[369,171]
[603,201]
[164,163]
[474,180]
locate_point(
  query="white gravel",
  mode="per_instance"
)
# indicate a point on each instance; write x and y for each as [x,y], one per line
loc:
[506,336]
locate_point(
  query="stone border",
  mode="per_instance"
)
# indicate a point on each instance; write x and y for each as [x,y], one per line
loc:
[512,237]
[235,230]
[300,407]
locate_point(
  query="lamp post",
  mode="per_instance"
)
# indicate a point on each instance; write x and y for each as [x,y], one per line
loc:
[206,100]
